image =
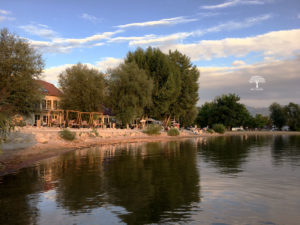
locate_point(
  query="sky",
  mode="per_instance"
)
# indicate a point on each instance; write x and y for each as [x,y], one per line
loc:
[230,41]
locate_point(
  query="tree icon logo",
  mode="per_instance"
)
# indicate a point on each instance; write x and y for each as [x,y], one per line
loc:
[257,80]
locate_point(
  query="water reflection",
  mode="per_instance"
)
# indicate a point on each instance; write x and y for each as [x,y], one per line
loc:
[144,183]
[228,154]
[150,182]
[160,183]
[286,148]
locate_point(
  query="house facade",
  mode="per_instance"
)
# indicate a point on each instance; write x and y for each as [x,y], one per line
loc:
[47,111]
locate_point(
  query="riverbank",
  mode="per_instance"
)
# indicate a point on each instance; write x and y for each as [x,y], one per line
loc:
[26,146]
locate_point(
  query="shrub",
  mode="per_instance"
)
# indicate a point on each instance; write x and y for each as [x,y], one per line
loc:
[67,135]
[173,132]
[210,131]
[219,128]
[6,126]
[153,129]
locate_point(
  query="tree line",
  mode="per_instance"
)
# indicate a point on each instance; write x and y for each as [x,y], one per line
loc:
[227,110]
[149,83]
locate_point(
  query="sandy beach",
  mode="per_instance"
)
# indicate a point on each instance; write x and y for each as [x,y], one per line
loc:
[28,145]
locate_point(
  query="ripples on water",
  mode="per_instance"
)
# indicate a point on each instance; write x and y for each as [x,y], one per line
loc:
[220,180]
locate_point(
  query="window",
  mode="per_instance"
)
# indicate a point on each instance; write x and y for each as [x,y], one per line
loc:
[43,104]
[55,104]
[48,104]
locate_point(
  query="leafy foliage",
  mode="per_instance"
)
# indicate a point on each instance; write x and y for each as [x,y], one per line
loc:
[224,109]
[83,88]
[185,106]
[20,66]
[67,134]
[219,128]
[292,111]
[6,125]
[153,129]
[277,115]
[175,90]
[173,132]
[129,92]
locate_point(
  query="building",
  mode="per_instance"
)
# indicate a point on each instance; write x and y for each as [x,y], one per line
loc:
[47,111]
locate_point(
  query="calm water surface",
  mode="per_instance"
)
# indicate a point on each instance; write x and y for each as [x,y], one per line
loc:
[217,181]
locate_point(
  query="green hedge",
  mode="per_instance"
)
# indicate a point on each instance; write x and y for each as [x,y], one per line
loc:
[173,132]
[219,128]
[67,135]
[153,129]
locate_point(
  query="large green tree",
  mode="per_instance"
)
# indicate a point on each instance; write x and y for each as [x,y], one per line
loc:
[20,66]
[292,112]
[83,88]
[166,80]
[226,110]
[185,106]
[130,92]
[278,115]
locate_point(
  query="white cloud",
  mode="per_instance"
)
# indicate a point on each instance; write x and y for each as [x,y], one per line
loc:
[39,30]
[4,12]
[90,18]
[238,63]
[108,63]
[4,16]
[299,16]
[173,38]
[159,40]
[64,45]
[51,74]
[231,3]
[273,44]
[169,21]
[282,82]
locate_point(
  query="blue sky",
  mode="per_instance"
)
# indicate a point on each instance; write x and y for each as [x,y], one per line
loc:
[229,40]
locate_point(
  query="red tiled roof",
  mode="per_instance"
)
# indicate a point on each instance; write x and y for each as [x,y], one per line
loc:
[49,89]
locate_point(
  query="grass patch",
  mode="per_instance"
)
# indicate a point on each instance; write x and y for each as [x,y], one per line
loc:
[219,128]
[173,132]
[67,134]
[153,129]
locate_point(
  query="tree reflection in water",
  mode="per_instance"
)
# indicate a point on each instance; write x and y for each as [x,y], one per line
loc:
[286,149]
[156,185]
[229,153]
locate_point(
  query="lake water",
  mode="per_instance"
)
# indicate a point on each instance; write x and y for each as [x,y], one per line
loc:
[217,181]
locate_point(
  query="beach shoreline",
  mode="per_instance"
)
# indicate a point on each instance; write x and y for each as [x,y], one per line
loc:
[43,143]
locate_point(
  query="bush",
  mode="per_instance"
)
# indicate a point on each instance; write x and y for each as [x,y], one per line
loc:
[153,129]
[173,132]
[67,135]
[219,128]
[6,126]
[210,131]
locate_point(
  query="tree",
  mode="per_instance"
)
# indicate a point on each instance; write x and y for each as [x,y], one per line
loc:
[130,91]
[225,110]
[83,88]
[185,106]
[292,112]
[278,115]
[166,80]
[260,121]
[20,66]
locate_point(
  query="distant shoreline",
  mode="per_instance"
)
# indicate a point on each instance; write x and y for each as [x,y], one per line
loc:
[12,160]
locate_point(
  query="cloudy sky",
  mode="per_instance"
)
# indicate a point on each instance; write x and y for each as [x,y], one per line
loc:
[228,40]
